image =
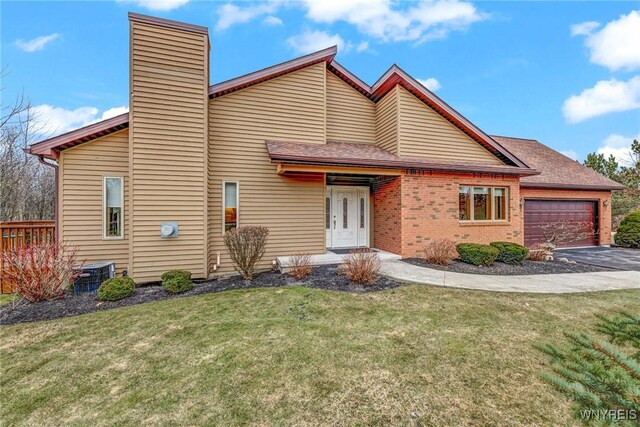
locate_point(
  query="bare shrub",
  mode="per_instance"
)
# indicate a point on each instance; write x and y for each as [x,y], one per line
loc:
[246,246]
[361,266]
[40,272]
[538,253]
[440,252]
[562,232]
[300,265]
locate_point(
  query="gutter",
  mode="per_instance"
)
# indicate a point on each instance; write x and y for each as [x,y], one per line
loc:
[56,218]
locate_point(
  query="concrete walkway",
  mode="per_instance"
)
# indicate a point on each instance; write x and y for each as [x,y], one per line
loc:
[538,283]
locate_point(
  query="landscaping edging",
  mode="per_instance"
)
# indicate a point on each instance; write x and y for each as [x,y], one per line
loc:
[323,277]
[501,269]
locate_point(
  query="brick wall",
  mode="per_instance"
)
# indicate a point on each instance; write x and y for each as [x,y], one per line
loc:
[430,211]
[386,214]
[604,212]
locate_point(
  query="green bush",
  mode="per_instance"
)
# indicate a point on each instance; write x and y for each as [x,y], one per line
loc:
[628,234]
[477,254]
[510,253]
[116,288]
[177,281]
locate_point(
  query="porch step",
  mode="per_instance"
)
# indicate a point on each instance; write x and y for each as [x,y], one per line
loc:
[284,262]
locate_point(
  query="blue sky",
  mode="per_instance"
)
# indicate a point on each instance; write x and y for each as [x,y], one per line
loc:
[565,73]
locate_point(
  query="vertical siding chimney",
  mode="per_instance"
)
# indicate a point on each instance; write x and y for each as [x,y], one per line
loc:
[169,78]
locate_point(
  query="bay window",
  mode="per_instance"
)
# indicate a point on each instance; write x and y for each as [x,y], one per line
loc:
[483,203]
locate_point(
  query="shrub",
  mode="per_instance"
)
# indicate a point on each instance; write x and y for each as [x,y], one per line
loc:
[440,252]
[300,265]
[628,234]
[477,254]
[40,272]
[177,281]
[510,253]
[246,246]
[361,266]
[116,288]
[537,253]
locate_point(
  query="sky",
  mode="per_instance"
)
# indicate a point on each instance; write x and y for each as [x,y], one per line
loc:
[564,73]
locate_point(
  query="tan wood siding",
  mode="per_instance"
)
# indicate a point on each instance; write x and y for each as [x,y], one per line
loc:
[82,169]
[387,122]
[426,134]
[292,108]
[169,81]
[350,115]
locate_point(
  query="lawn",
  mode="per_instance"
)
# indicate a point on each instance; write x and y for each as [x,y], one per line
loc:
[6,299]
[414,355]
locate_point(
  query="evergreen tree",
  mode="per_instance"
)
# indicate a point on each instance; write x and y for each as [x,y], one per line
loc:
[601,376]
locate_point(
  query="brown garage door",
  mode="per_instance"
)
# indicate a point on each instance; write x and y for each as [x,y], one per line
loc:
[540,212]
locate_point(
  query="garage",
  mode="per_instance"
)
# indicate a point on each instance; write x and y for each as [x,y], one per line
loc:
[541,212]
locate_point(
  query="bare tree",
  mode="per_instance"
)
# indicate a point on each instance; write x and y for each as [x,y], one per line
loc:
[27,187]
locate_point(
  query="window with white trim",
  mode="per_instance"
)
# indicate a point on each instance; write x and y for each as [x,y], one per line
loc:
[230,202]
[483,203]
[113,202]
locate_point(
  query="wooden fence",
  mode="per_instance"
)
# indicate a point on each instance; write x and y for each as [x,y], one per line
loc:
[23,233]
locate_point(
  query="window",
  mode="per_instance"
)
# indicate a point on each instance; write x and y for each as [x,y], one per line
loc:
[327,213]
[361,212]
[112,196]
[482,203]
[499,204]
[464,203]
[344,212]
[230,190]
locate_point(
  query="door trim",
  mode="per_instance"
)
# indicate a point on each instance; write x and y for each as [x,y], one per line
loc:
[329,234]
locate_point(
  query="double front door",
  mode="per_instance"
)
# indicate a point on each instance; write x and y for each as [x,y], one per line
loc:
[347,216]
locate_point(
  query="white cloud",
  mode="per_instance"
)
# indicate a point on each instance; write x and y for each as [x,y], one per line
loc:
[385,20]
[55,120]
[616,45]
[312,41]
[607,96]
[362,46]
[160,5]
[570,154]
[584,28]
[230,14]
[381,19]
[619,146]
[36,44]
[112,112]
[273,20]
[431,83]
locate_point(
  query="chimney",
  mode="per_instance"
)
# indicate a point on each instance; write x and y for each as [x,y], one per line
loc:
[168,129]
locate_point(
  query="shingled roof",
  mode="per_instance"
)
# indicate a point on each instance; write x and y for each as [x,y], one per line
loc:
[556,170]
[370,155]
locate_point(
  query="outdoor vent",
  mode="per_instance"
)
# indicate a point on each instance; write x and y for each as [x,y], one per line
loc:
[90,276]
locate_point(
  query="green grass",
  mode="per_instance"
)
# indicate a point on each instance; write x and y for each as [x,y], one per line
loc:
[6,299]
[296,356]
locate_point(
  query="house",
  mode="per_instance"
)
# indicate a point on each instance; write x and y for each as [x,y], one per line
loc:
[304,148]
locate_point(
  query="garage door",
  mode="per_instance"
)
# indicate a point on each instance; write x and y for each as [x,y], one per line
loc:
[541,212]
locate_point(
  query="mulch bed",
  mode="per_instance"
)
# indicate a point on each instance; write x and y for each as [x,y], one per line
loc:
[323,277]
[502,269]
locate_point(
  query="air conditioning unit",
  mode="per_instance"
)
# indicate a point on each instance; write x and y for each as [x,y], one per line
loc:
[90,276]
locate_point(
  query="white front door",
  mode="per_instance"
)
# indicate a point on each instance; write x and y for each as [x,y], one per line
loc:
[347,220]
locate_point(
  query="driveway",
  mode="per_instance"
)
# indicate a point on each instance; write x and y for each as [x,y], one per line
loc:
[620,258]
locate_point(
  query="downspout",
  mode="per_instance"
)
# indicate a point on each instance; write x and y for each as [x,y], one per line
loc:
[55,200]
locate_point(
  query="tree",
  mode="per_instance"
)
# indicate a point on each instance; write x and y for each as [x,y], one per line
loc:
[27,188]
[627,174]
[602,377]
[607,167]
